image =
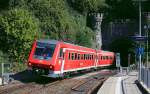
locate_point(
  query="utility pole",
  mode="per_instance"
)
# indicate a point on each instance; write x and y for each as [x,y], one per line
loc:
[140,57]
[147,47]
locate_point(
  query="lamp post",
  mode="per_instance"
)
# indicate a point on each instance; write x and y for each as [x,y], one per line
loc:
[147,46]
[147,28]
[140,35]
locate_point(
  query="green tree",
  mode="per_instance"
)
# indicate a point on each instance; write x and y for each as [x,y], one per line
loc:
[84,37]
[18,29]
[85,6]
[55,20]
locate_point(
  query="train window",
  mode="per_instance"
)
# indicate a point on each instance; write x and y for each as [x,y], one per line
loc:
[106,57]
[101,58]
[84,57]
[90,57]
[44,50]
[72,56]
[111,58]
[69,57]
[78,56]
[60,53]
[75,56]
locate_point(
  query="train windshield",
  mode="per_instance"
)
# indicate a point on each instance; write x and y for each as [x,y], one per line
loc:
[44,51]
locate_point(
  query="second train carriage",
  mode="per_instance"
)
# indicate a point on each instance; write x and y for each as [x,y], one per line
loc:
[54,58]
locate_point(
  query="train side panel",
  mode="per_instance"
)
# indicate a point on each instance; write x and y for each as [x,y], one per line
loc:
[105,58]
[74,58]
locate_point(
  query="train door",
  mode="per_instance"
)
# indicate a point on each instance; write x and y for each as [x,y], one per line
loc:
[62,59]
[96,60]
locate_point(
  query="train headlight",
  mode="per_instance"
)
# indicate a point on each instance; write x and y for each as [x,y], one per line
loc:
[30,64]
[51,67]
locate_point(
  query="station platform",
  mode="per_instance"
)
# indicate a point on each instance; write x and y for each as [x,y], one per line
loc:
[121,84]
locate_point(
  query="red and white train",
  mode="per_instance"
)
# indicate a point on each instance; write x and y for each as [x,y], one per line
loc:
[56,58]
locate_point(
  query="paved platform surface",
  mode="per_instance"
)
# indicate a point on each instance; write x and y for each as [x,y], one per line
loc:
[121,84]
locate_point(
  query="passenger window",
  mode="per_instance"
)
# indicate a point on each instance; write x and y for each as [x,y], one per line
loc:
[72,56]
[103,57]
[90,57]
[78,56]
[87,56]
[69,56]
[75,56]
[84,57]
[111,58]
[107,57]
[60,53]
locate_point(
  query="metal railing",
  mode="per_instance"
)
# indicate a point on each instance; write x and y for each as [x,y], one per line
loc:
[5,72]
[145,76]
[5,68]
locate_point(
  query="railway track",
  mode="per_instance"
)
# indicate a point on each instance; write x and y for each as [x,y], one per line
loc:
[32,86]
[44,86]
[76,85]
[88,86]
[9,90]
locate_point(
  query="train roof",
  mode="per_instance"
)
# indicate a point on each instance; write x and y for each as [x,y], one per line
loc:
[106,51]
[56,41]
[48,41]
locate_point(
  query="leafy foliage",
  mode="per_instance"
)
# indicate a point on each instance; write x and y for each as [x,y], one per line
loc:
[25,20]
[85,6]
[18,30]
[84,37]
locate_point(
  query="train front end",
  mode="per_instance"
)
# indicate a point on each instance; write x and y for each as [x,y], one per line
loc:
[42,56]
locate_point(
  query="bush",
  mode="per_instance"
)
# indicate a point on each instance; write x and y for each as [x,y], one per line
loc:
[18,30]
